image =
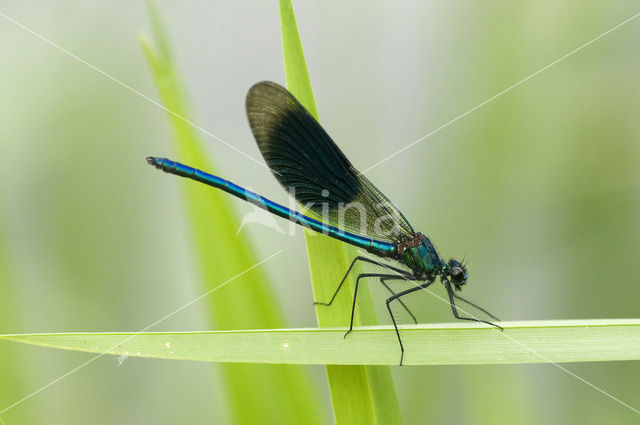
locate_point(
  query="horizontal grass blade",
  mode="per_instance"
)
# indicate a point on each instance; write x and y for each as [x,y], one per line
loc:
[433,344]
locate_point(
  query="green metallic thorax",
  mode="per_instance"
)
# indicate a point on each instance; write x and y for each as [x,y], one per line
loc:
[420,256]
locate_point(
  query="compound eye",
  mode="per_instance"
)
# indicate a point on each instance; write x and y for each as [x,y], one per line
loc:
[457,275]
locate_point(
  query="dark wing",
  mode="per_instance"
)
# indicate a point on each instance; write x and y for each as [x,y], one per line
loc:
[310,166]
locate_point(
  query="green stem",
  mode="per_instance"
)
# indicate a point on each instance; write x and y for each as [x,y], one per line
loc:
[359,394]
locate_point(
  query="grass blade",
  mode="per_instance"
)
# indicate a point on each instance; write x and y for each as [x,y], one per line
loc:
[433,344]
[281,394]
[13,367]
[359,394]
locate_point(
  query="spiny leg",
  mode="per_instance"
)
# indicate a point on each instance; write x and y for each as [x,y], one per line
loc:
[366,260]
[355,293]
[452,296]
[382,280]
[457,297]
[397,296]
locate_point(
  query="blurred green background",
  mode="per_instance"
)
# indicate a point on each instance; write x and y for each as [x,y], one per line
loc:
[540,189]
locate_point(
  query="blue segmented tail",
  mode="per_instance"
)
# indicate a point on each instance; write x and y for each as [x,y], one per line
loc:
[380,248]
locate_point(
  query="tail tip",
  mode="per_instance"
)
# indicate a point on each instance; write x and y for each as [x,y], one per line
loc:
[155,161]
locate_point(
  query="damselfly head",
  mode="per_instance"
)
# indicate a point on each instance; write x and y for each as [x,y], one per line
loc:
[457,273]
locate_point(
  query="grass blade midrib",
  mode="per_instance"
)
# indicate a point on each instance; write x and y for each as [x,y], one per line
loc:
[422,326]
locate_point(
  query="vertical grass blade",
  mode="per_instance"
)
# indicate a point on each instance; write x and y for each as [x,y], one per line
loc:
[256,394]
[12,366]
[359,394]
